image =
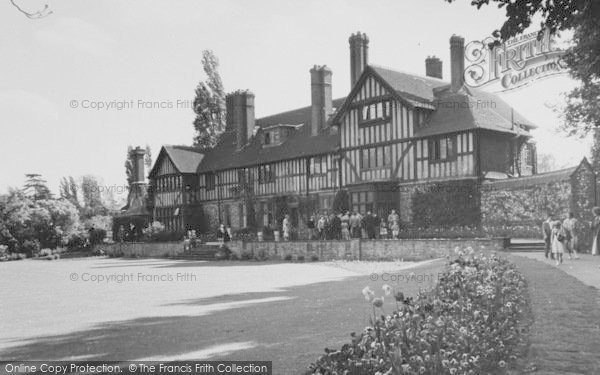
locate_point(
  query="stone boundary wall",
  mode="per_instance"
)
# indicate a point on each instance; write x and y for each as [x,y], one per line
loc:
[143,249]
[414,249]
[370,250]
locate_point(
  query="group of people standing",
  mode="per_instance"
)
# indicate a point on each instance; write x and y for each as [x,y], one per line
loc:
[345,226]
[561,237]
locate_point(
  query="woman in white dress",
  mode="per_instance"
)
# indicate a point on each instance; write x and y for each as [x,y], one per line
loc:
[596,231]
[558,242]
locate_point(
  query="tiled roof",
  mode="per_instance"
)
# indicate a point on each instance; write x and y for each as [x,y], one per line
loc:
[473,109]
[185,158]
[410,86]
[300,143]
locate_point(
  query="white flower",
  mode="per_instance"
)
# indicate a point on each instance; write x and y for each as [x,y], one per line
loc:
[368,293]
[387,289]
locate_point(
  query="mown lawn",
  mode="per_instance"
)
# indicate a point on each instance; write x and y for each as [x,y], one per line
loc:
[285,313]
[564,337]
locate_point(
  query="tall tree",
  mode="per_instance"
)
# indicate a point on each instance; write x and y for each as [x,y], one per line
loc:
[129,166]
[91,192]
[68,190]
[36,187]
[148,157]
[209,104]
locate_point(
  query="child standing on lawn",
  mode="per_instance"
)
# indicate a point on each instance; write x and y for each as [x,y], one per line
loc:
[558,242]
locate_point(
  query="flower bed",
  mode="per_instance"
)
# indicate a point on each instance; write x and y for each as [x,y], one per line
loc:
[467,324]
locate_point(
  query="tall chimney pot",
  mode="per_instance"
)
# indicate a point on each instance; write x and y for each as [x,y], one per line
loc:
[321,97]
[138,165]
[457,62]
[433,67]
[359,55]
[240,116]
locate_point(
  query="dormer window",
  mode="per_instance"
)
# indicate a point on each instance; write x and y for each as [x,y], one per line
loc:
[276,135]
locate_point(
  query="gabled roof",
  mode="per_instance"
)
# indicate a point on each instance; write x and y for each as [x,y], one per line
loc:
[185,158]
[538,179]
[300,143]
[451,112]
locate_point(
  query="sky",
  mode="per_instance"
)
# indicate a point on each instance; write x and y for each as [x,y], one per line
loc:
[141,60]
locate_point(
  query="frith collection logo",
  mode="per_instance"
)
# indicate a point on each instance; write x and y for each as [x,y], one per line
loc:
[514,63]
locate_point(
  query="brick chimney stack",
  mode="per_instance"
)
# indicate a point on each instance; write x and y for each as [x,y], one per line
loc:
[433,67]
[359,55]
[321,97]
[138,165]
[457,62]
[240,115]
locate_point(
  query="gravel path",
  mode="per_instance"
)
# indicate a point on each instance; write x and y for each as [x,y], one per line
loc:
[565,335]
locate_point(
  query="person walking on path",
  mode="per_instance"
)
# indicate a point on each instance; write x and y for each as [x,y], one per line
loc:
[547,234]
[596,231]
[558,242]
[572,242]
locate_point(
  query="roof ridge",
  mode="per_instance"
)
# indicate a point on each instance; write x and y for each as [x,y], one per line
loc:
[425,77]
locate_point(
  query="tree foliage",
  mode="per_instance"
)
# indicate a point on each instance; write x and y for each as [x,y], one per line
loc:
[209,104]
[129,159]
[69,190]
[91,192]
[28,224]
[148,157]
[581,113]
[36,187]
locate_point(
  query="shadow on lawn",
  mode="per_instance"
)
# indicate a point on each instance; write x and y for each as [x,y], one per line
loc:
[176,263]
[291,333]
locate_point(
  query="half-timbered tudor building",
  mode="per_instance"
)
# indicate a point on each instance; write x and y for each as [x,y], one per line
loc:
[415,143]
[173,187]
[405,137]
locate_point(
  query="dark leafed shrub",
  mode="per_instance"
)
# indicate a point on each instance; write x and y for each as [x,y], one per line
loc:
[300,258]
[246,256]
[97,236]
[31,247]
[77,241]
[288,257]
[245,234]
[314,258]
